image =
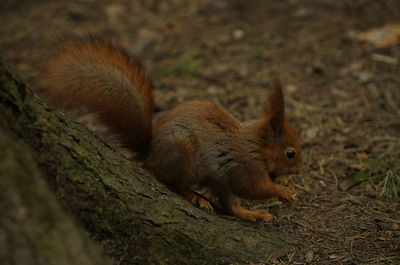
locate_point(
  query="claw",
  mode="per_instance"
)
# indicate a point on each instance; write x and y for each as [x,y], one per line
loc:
[198,201]
[202,203]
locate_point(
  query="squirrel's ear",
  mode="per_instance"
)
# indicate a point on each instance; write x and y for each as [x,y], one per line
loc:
[275,109]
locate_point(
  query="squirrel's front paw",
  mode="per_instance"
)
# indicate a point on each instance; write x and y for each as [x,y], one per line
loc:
[286,195]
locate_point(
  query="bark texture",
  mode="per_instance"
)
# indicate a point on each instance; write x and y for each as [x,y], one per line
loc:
[33,228]
[137,219]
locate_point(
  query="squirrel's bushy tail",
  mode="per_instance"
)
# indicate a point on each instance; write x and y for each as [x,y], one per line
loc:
[105,79]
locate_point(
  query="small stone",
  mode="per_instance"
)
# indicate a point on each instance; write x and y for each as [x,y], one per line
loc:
[213,90]
[114,12]
[311,133]
[309,256]
[291,88]
[364,77]
[238,34]
[302,12]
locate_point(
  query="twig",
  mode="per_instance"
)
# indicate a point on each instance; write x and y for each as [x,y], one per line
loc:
[384,58]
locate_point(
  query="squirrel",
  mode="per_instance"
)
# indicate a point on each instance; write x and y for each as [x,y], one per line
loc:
[195,144]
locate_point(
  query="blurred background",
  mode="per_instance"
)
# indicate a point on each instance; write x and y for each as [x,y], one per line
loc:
[339,64]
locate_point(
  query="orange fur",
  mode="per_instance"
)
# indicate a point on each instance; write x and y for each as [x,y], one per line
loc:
[102,77]
[197,143]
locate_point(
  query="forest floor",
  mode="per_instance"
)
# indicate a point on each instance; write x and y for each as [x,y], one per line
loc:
[342,95]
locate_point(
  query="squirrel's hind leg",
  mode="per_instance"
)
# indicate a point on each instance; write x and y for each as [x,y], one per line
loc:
[171,161]
[197,200]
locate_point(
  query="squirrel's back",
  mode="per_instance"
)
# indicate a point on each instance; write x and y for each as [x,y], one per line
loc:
[105,79]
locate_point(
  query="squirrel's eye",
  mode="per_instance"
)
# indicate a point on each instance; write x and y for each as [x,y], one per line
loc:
[291,153]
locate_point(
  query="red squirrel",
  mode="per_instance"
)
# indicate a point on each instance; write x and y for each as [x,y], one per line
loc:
[195,144]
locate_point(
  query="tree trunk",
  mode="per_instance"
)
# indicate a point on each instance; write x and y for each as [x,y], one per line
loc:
[33,228]
[137,219]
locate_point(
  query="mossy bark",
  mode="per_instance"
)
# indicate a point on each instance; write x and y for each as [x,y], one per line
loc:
[33,228]
[137,219]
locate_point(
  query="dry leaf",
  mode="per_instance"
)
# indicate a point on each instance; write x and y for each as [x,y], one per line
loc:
[387,36]
[362,156]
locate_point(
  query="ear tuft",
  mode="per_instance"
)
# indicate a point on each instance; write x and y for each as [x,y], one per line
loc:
[275,109]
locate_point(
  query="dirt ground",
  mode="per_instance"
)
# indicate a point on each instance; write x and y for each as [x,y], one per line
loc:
[343,98]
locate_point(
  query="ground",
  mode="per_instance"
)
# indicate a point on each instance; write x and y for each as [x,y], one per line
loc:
[343,99]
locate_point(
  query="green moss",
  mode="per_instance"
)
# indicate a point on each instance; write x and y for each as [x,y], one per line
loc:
[189,65]
[384,172]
